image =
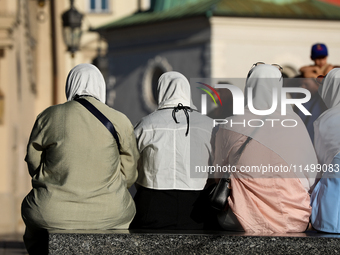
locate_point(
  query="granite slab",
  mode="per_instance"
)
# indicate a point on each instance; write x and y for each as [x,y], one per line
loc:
[189,242]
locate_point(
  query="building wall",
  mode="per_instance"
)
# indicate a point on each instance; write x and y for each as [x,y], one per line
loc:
[33,69]
[238,43]
[229,50]
[136,53]
[90,40]
[18,84]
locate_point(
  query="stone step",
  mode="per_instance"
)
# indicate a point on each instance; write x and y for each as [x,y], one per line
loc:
[189,242]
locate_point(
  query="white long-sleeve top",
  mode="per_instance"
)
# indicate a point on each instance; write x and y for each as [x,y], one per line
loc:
[169,158]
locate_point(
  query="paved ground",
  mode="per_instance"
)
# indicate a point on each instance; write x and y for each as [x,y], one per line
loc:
[12,245]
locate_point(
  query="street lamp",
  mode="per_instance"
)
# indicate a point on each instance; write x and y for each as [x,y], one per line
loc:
[41,3]
[72,28]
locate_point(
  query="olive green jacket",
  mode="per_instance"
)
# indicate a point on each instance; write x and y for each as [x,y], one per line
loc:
[79,179]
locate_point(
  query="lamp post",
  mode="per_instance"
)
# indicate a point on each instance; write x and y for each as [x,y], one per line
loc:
[41,3]
[72,28]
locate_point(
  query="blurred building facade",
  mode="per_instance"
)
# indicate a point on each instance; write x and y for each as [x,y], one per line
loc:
[200,38]
[220,39]
[33,69]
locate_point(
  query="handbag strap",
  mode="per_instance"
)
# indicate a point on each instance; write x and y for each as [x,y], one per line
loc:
[242,147]
[101,117]
[238,155]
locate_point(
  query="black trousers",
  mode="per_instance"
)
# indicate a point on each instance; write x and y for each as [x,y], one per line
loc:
[173,209]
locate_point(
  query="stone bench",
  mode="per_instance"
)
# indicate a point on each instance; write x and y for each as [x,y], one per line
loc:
[189,242]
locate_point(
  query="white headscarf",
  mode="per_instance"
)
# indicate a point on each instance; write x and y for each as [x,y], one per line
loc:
[327,126]
[173,88]
[292,144]
[85,79]
[263,79]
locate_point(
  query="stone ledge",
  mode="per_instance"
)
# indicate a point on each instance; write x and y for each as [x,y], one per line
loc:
[189,242]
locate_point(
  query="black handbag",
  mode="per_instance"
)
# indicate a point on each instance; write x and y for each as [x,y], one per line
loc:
[222,190]
[220,193]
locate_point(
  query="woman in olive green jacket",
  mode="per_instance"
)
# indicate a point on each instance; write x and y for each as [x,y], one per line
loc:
[80,179]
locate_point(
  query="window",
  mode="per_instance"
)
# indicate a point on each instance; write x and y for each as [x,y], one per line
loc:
[154,69]
[157,72]
[99,6]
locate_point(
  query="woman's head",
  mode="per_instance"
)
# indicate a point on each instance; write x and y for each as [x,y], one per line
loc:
[262,79]
[85,79]
[330,88]
[173,88]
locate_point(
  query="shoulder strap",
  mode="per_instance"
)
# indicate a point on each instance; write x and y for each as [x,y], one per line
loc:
[238,154]
[101,117]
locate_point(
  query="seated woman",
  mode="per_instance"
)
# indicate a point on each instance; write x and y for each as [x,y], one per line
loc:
[80,178]
[268,193]
[171,141]
[325,197]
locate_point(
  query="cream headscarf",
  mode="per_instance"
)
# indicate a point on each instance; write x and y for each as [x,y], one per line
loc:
[291,143]
[85,79]
[327,126]
[174,88]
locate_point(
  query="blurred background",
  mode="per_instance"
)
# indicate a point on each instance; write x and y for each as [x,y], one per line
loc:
[133,42]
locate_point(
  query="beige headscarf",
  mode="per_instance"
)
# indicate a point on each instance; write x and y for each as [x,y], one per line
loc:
[291,143]
[326,127]
[85,79]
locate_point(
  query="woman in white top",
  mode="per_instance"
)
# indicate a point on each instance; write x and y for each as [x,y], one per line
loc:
[172,141]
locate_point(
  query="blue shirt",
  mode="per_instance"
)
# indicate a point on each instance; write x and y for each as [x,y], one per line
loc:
[325,200]
[316,107]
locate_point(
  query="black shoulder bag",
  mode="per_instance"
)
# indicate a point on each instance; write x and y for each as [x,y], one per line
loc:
[101,117]
[219,195]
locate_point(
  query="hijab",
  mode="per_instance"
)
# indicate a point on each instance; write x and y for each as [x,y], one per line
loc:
[326,127]
[173,89]
[292,144]
[85,79]
[174,92]
[263,80]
